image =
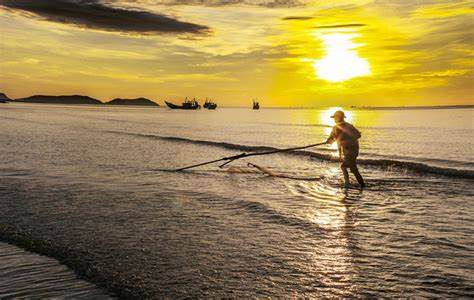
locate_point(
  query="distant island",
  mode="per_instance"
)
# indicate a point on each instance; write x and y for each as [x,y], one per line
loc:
[137,101]
[79,99]
[72,99]
[4,98]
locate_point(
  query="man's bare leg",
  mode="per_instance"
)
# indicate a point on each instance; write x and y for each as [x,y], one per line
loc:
[346,176]
[359,178]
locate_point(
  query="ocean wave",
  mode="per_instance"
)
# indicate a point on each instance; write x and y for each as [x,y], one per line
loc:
[383,163]
[418,167]
[384,128]
[425,159]
[298,125]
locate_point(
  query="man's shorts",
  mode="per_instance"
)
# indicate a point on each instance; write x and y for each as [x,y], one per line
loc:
[349,157]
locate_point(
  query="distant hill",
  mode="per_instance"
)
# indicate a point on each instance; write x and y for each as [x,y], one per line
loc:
[136,101]
[72,99]
[4,98]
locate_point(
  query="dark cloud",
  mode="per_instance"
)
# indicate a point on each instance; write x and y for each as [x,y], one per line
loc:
[340,26]
[297,18]
[264,3]
[97,15]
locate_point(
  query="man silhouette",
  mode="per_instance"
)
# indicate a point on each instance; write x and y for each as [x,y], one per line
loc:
[347,137]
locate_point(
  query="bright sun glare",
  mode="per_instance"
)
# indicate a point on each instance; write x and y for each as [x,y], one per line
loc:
[341,61]
[325,116]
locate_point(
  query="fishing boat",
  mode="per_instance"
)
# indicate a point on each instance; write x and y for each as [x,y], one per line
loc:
[187,104]
[209,105]
[256,105]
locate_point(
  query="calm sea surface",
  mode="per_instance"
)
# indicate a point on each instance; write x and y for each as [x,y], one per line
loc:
[86,185]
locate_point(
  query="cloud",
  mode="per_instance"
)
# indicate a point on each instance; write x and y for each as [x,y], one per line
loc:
[97,15]
[340,26]
[264,3]
[297,18]
[444,10]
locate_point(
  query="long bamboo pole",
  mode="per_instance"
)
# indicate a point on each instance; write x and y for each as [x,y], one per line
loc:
[242,155]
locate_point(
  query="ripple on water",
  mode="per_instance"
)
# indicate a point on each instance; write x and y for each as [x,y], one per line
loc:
[26,274]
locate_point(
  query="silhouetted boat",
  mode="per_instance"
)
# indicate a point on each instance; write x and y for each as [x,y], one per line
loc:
[256,105]
[209,105]
[187,104]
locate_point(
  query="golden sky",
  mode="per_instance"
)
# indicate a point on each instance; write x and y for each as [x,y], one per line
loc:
[283,52]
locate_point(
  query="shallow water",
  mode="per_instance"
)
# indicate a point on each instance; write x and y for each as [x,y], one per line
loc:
[86,183]
[26,275]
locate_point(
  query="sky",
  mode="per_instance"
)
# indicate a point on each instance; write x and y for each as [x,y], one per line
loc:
[286,53]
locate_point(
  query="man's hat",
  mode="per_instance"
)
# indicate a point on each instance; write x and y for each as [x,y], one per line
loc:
[338,113]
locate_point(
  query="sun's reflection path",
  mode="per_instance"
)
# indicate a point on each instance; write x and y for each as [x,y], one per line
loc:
[334,209]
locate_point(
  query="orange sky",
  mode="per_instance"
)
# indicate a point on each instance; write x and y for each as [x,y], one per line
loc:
[286,53]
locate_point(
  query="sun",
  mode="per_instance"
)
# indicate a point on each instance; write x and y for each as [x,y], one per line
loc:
[341,61]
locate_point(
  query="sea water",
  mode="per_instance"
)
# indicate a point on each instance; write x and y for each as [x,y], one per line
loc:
[88,185]
[26,275]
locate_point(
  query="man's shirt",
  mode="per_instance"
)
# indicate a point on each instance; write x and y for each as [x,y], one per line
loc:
[345,134]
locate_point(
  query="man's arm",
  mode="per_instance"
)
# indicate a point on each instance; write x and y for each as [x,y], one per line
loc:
[332,136]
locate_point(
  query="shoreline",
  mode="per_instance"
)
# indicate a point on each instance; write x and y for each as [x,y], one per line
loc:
[32,274]
[81,270]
